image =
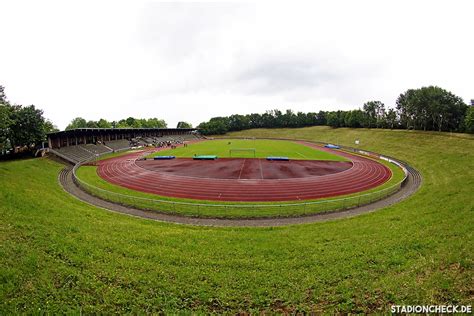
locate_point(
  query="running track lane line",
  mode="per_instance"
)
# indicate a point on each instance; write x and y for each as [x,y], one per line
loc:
[242,168]
[366,173]
[413,183]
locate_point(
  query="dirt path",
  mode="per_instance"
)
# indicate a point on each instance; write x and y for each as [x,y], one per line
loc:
[413,183]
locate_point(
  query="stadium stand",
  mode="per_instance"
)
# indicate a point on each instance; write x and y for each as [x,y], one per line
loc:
[118,145]
[73,154]
[82,144]
[96,149]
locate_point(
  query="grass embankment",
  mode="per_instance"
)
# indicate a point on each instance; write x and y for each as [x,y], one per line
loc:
[263,149]
[61,255]
[203,208]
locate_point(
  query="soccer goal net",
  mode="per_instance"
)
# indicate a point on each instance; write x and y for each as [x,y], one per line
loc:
[242,152]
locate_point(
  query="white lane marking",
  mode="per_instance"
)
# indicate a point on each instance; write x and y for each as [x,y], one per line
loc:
[242,168]
[301,155]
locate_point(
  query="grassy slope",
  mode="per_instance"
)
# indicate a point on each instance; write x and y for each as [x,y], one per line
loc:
[264,148]
[58,254]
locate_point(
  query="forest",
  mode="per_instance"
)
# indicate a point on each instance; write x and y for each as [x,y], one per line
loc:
[428,108]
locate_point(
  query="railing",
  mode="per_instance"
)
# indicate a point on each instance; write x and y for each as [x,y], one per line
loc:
[247,210]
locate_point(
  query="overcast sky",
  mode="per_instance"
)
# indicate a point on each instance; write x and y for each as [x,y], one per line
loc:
[193,61]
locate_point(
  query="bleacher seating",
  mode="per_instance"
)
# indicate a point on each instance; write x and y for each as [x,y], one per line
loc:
[138,141]
[85,152]
[74,154]
[117,145]
[190,137]
[96,149]
[81,153]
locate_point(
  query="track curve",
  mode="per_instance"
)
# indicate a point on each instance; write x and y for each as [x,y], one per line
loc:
[364,175]
[414,180]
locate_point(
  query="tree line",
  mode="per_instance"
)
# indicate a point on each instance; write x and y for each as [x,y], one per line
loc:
[130,122]
[428,108]
[22,128]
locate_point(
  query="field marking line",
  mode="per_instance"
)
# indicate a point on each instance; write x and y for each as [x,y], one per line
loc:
[242,168]
[261,170]
[301,155]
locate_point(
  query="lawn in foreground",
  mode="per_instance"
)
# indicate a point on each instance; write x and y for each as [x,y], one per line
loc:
[59,254]
[263,149]
[231,209]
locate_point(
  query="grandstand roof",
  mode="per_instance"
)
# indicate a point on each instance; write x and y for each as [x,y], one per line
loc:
[95,130]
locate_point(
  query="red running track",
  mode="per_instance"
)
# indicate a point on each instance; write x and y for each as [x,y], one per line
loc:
[363,175]
[241,168]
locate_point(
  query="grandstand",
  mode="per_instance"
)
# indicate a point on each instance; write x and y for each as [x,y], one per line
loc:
[85,143]
[98,148]
[73,154]
[118,145]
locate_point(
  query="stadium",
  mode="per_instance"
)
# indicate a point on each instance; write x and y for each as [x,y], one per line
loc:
[181,173]
[101,219]
[236,158]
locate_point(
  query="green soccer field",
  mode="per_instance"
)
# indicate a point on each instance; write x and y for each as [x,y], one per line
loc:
[243,148]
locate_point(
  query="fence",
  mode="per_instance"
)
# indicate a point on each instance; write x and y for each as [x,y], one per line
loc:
[247,210]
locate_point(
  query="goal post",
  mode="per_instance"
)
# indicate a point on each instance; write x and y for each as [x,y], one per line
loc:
[237,152]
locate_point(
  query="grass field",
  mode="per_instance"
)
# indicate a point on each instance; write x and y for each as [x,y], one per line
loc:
[60,255]
[263,149]
[89,175]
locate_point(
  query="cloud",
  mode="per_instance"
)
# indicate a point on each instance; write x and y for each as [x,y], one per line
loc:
[284,75]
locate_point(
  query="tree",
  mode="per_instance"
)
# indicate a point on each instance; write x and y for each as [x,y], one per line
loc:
[255,120]
[216,125]
[469,120]
[354,118]
[21,126]
[5,121]
[333,119]
[122,124]
[155,123]
[404,111]
[278,119]
[3,97]
[391,118]
[28,126]
[268,119]
[78,122]
[380,115]
[289,119]
[49,127]
[132,122]
[184,125]
[373,112]
[103,123]
[5,125]
[321,118]
[238,122]
[431,108]
[92,124]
